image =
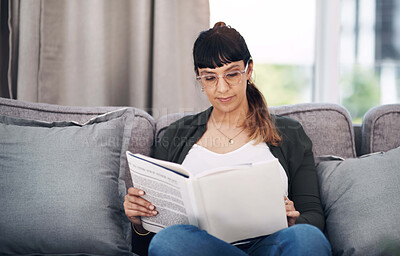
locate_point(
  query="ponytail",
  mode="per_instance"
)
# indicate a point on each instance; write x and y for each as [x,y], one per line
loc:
[259,121]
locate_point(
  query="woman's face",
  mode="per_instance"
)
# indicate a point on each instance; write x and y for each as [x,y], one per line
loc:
[226,96]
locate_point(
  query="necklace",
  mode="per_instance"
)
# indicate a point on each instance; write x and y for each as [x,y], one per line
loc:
[230,140]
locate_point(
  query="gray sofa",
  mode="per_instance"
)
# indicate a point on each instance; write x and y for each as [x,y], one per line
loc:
[72,147]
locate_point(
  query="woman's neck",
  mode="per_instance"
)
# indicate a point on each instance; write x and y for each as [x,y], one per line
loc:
[229,119]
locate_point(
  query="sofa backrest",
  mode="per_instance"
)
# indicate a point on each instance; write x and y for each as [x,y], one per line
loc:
[142,132]
[329,126]
[381,129]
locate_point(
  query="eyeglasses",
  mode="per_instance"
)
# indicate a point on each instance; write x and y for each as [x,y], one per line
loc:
[232,78]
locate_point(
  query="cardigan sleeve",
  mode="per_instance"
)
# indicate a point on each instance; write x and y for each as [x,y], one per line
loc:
[296,156]
[160,151]
[304,183]
[168,143]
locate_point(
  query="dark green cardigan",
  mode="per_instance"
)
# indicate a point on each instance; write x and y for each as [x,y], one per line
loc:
[294,153]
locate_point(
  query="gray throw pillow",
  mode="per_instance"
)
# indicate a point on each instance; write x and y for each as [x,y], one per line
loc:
[62,186]
[359,198]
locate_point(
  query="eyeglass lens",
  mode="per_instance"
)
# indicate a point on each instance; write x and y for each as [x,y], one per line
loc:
[232,78]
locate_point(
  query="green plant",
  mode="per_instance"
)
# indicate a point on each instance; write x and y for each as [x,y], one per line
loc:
[360,91]
[283,84]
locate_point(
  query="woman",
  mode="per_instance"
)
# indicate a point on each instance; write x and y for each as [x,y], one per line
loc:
[236,129]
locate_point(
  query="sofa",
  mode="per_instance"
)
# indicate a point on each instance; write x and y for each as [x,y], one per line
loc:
[63,175]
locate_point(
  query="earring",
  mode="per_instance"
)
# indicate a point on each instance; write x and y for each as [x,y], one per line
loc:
[202,89]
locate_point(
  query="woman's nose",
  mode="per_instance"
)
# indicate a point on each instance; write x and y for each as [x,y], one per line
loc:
[222,85]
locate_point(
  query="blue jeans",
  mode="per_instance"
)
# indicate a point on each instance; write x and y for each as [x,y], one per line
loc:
[300,239]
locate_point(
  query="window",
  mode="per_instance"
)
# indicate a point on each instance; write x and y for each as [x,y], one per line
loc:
[340,51]
[370,52]
[280,36]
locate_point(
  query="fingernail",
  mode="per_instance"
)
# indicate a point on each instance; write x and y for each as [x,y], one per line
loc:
[141,193]
[154,212]
[151,207]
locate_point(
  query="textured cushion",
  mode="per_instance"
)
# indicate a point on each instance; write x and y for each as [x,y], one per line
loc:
[328,126]
[381,129]
[359,198]
[142,134]
[62,186]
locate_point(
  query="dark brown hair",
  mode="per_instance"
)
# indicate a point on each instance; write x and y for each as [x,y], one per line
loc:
[221,45]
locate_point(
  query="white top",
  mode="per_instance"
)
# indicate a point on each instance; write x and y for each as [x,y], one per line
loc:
[200,159]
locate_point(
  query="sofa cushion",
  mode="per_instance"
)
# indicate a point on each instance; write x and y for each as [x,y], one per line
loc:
[381,129]
[62,185]
[142,134]
[359,198]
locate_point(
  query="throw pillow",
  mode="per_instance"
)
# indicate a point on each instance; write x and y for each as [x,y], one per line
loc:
[359,200]
[62,186]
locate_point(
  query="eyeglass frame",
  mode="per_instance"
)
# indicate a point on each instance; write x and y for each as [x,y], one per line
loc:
[198,78]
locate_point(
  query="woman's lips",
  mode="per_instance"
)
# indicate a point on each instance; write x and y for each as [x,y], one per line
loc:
[224,100]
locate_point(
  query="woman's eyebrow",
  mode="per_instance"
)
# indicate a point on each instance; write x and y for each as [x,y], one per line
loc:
[228,69]
[232,67]
[206,72]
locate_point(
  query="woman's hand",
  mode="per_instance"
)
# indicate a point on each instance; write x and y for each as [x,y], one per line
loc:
[291,212]
[135,206]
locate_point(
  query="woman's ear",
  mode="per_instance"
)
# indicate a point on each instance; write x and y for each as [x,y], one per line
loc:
[249,70]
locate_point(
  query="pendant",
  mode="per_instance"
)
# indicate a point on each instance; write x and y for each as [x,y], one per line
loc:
[231,141]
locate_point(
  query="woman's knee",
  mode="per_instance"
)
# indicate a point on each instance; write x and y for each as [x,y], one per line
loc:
[307,231]
[171,239]
[174,233]
[309,236]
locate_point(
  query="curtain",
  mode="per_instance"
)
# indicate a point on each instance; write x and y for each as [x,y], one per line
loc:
[106,53]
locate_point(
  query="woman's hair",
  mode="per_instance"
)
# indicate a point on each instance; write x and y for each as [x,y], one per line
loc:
[222,45]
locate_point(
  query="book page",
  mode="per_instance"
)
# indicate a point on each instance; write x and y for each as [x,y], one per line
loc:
[174,167]
[243,203]
[165,189]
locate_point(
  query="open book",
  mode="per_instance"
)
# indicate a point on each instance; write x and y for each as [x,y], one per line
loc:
[231,203]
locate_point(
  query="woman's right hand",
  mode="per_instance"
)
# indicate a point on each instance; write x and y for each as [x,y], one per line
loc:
[135,206]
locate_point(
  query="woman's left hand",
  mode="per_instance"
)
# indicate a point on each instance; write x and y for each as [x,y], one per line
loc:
[291,212]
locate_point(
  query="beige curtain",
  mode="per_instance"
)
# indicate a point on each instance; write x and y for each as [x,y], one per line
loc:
[101,52]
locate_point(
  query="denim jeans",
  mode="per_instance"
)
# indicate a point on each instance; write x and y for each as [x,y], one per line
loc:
[300,239]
